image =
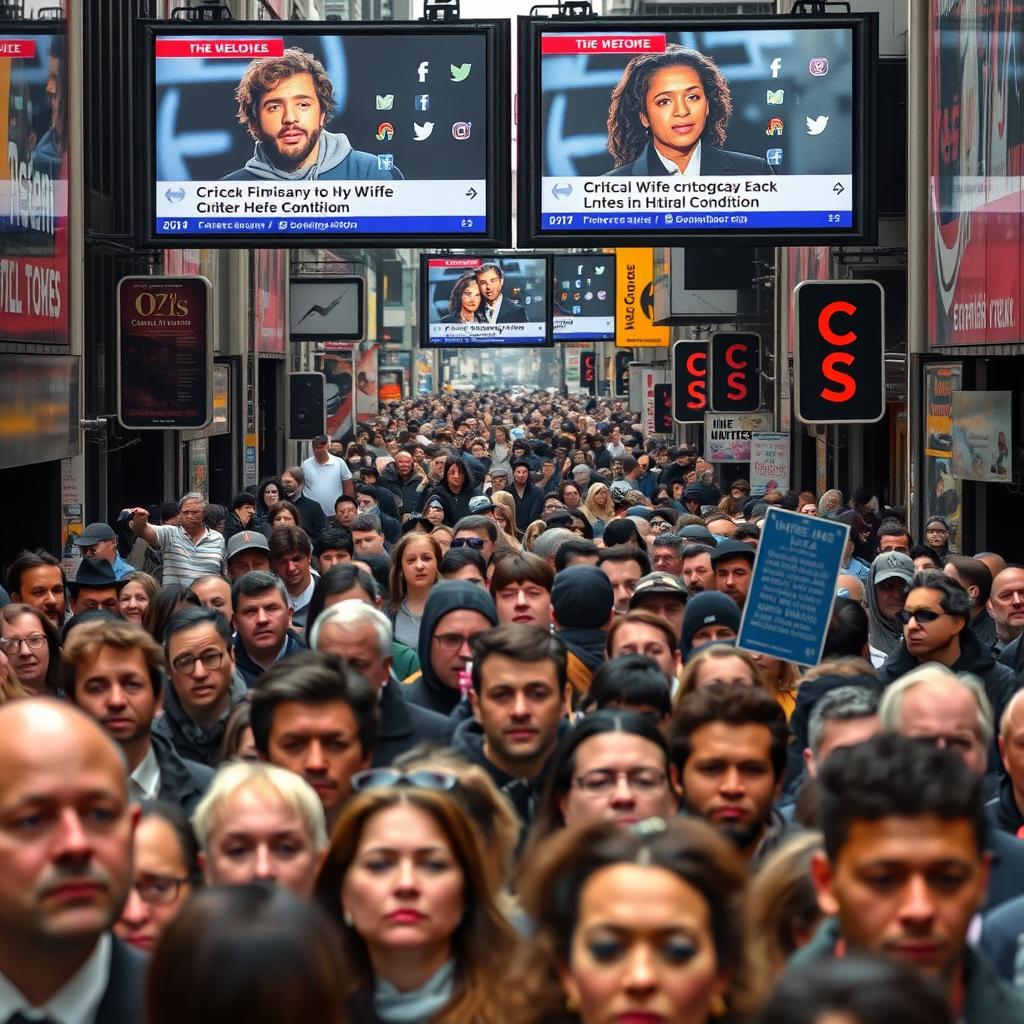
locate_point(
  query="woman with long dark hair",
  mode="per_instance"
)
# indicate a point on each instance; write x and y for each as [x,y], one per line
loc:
[465,302]
[669,114]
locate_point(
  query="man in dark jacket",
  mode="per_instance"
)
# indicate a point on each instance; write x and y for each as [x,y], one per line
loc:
[582,606]
[455,613]
[916,811]
[311,514]
[113,671]
[520,685]
[243,511]
[263,621]
[362,635]
[940,634]
[1005,808]
[402,480]
[204,687]
[529,498]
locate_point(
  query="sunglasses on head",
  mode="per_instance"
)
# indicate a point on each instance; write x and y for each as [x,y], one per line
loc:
[387,778]
[476,543]
[923,616]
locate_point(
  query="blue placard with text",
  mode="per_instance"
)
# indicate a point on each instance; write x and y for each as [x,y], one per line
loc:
[793,586]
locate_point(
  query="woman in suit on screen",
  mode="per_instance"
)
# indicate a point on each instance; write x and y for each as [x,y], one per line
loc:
[464,303]
[668,115]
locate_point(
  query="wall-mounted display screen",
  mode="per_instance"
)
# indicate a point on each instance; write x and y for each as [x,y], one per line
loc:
[583,299]
[485,301]
[267,134]
[742,127]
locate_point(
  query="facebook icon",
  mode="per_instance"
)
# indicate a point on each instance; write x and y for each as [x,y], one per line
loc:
[385,161]
[774,157]
[423,102]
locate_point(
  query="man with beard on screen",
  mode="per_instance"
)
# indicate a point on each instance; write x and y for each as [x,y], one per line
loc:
[284,103]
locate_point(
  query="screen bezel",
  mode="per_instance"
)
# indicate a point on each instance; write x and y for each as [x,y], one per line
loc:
[604,256]
[424,301]
[498,156]
[865,51]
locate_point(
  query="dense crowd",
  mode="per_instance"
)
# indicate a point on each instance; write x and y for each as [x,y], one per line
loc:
[449,725]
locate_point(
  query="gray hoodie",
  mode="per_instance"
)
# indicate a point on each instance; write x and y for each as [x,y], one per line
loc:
[336,160]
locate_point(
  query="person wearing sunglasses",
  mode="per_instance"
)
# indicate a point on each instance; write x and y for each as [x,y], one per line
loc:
[406,880]
[478,533]
[935,619]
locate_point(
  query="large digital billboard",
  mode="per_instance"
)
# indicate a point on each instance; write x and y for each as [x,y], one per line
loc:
[484,301]
[267,135]
[657,132]
[583,302]
[34,188]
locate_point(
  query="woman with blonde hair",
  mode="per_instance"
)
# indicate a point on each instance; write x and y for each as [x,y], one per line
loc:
[137,594]
[505,509]
[532,532]
[598,506]
[718,663]
[406,878]
[782,678]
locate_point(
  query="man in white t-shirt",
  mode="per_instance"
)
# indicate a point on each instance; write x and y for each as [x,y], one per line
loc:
[327,476]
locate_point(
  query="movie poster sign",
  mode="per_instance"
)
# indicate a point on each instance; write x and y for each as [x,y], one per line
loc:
[34,190]
[983,436]
[943,493]
[164,353]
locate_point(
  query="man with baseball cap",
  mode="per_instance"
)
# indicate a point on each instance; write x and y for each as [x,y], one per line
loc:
[99,541]
[886,588]
[709,616]
[481,505]
[95,587]
[733,562]
[664,595]
[248,551]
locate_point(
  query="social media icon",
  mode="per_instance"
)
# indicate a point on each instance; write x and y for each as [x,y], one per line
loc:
[775,126]
[774,157]
[385,102]
[575,296]
[385,131]
[818,66]
[422,102]
[579,282]
[460,72]
[461,130]
[776,95]
[421,71]
[776,66]
[528,299]
[385,161]
[588,295]
[563,296]
[602,295]
[422,131]
[816,125]
[565,285]
[599,270]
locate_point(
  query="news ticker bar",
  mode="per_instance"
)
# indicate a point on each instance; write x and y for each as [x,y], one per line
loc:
[170,226]
[711,220]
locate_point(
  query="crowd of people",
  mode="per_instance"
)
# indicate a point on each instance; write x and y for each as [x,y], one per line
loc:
[449,725]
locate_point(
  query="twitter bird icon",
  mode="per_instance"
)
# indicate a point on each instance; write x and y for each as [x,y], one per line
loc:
[460,72]
[422,131]
[816,125]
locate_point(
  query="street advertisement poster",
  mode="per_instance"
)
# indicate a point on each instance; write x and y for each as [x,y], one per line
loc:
[164,353]
[634,301]
[769,463]
[34,189]
[975,195]
[982,435]
[72,520]
[729,438]
[269,281]
[198,466]
[425,373]
[337,370]
[943,492]
[266,131]
[781,619]
[366,382]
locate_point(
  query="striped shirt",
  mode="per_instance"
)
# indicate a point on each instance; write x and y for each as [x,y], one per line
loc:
[186,560]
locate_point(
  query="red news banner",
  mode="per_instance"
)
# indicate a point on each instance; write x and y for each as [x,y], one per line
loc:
[624,42]
[11,48]
[233,49]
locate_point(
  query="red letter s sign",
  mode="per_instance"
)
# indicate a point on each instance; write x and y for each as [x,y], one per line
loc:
[847,386]
[697,389]
[737,387]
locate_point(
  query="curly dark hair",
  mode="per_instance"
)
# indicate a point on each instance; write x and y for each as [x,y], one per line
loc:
[455,299]
[267,73]
[626,134]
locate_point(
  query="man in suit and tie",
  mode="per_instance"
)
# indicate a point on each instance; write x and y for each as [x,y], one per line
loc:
[497,309]
[66,827]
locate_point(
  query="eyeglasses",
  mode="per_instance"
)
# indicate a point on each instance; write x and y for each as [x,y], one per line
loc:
[453,641]
[12,644]
[186,663]
[386,778]
[474,543]
[923,616]
[603,781]
[158,890]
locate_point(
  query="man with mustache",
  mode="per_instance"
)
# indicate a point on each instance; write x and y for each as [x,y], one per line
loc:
[66,829]
[284,103]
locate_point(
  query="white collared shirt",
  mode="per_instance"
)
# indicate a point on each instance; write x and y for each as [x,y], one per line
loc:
[144,782]
[79,999]
[492,311]
[298,603]
[692,168]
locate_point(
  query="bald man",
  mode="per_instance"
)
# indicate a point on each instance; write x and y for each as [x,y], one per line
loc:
[66,830]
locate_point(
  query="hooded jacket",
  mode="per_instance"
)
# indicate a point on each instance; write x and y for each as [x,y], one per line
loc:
[404,488]
[336,161]
[182,782]
[404,725]
[427,690]
[529,506]
[190,741]
[456,506]
[884,636]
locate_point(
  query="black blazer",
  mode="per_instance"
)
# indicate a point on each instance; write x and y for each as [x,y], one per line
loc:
[511,313]
[404,725]
[122,1002]
[713,161]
